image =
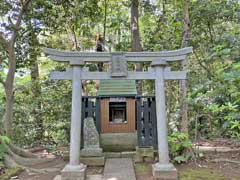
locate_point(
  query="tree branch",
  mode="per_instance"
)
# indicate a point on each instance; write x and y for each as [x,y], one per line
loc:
[11,23]
[203,66]
[19,19]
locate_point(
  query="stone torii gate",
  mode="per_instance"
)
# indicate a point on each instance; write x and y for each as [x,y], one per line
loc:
[159,72]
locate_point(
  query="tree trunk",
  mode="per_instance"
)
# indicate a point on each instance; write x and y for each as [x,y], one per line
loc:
[8,86]
[135,38]
[135,41]
[105,20]
[36,87]
[36,90]
[183,83]
[100,43]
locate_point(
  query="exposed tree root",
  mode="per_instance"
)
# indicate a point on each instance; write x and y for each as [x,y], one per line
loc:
[27,161]
[21,152]
[21,160]
[35,149]
[225,160]
[17,157]
[9,162]
[215,149]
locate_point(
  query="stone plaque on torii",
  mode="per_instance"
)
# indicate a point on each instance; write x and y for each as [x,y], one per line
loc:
[117,61]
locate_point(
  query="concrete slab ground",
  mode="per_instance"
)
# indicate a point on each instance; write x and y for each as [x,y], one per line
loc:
[94,177]
[58,177]
[119,169]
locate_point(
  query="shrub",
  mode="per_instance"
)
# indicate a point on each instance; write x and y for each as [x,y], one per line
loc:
[178,144]
[3,149]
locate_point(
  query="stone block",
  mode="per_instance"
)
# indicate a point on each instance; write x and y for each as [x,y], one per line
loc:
[57,177]
[93,152]
[128,154]
[148,159]
[74,172]
[93,161]
[112,155]
[91,139]
[94,177]
[164,172]
[118,142]
[145,151]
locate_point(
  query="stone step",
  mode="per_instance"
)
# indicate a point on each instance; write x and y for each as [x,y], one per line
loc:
[89,177]
[94,177]
[119,169]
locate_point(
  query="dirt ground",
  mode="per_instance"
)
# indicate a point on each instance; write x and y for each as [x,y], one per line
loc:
[208,168]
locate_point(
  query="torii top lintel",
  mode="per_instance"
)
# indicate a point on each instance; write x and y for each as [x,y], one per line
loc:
[74,57]
[118,63]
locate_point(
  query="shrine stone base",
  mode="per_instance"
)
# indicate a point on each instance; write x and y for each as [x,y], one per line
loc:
[74,172]
[164,172]
[93,161]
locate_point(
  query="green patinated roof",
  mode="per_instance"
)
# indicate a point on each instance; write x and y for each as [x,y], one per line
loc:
[117,87]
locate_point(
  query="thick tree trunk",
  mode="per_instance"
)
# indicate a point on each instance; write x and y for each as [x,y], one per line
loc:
[105,20]
[36,90]
[135,38]
[101,40]
[36,87]
[183,83]
[8,45]
[8,116]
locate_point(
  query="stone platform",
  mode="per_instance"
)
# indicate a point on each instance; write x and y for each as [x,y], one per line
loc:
[119,169]
[89,177]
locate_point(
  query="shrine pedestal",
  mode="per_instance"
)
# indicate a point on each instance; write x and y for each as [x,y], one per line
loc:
[164,172]
[74,172]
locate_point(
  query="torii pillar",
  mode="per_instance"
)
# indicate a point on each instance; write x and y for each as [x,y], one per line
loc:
[163,169]
[75,170]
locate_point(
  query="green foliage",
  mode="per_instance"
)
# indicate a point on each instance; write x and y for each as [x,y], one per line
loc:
[3,150]
[214,74]
[11,172]
[55,114]
[213,69]
[178,144]
[216,109]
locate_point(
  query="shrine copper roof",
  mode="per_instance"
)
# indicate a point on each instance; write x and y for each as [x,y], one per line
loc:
[117,88]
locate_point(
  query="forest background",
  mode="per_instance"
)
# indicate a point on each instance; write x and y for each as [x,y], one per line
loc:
[35,110]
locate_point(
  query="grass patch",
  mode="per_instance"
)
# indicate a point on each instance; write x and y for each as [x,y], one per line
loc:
[11,172]
[142,167]
[201,174]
